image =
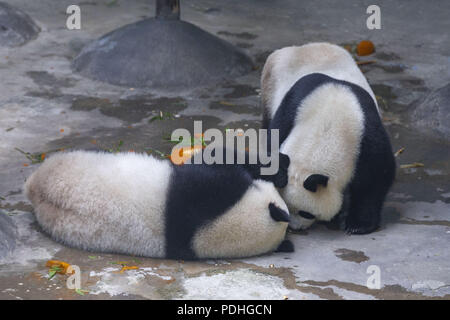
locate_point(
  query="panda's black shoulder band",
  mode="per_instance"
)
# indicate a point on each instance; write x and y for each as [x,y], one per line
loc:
[278,214]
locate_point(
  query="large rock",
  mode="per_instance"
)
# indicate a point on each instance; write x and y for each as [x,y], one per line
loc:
[161,54]
[8,235]
[16,27]
[432,114]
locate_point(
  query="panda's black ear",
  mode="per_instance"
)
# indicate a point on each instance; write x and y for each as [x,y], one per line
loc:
[314,180]
[278,214]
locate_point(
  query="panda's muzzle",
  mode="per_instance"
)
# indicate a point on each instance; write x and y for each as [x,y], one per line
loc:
[313,181]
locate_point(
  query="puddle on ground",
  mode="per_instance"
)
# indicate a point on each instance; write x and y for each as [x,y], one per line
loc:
[240,91]
[43,78]
[20,206]
[351,255]
[244,45]
[130,110]
[388,292]
[236,108]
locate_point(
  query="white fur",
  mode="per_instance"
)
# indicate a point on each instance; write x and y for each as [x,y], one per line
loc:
[330,126]
[116,203]
[327,142]
[103,202]
[287,65]
[299,223]
[247,228]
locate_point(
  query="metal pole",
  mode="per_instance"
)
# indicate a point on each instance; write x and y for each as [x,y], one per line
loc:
[168,9]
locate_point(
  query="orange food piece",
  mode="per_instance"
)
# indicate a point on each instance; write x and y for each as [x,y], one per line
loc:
[61,130]
[125,268]
[180,155]
[365,48]
[63,265]
[25,164]
[43,156]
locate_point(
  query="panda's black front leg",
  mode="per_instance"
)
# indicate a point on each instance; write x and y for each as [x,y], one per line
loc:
[364,212]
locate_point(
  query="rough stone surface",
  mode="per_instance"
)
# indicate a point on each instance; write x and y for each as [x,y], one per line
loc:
[16,27]
[45,106]
[165,54]
[432,114]
[8,234]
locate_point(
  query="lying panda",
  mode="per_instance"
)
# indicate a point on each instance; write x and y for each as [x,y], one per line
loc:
[331,129]
[135,204]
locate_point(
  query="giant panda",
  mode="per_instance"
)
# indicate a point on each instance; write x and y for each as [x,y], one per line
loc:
[331,129]
[135,204]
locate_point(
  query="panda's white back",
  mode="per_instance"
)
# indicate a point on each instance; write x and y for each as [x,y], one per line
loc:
[287,65]
[103,202]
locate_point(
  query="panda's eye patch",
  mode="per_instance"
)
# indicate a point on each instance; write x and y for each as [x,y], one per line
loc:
[278,214]
[314,180]
[306,215]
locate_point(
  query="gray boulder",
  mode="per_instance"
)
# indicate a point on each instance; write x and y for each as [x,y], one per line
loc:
[166,54]
[16,27]
[432,114]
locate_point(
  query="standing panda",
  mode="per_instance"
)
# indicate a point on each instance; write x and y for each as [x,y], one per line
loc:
[135,204]
[330,127]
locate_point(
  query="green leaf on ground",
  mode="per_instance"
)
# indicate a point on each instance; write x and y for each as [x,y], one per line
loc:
[53,271]
[81,292]
[162,116]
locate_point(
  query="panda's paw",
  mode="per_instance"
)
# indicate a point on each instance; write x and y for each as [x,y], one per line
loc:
[351,228]
[285,246]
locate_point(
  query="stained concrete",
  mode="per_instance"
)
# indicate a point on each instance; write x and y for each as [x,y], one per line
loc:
[45,107]
[432,113]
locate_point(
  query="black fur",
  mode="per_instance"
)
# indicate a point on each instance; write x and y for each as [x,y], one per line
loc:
[306,215]
[285,246]
[285,115]
[279,179]
[375,167]
[315,180]
[197,195]
[278,214]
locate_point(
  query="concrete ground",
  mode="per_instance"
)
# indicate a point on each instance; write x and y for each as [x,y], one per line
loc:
[45,107]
